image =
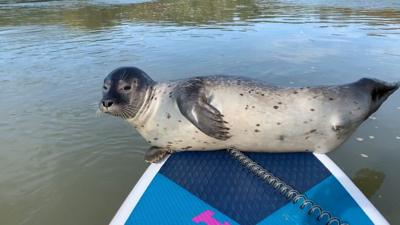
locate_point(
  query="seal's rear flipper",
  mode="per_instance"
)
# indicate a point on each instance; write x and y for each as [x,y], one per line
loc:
[383,90]
[379,90]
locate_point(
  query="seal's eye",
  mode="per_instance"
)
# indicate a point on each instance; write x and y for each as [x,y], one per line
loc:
[104,88]
[126,88]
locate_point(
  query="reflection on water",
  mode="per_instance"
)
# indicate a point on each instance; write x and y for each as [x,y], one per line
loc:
[369,181]
[59,164]
[220,13]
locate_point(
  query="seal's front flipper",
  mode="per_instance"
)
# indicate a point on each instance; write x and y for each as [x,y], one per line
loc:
[155,154]
[194,105]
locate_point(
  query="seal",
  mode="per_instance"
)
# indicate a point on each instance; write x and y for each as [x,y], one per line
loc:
[217,112]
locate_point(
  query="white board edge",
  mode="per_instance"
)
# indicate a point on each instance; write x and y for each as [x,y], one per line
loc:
[353,190]
[136,193]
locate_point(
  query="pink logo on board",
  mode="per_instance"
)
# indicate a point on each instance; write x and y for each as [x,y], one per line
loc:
[206,217]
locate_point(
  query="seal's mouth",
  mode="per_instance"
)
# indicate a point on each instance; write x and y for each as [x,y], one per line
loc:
[123,111]
[105,110]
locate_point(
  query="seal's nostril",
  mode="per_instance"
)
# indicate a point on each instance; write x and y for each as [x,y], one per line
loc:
[107,103]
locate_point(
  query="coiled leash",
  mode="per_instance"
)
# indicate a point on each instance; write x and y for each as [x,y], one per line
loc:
[286,190]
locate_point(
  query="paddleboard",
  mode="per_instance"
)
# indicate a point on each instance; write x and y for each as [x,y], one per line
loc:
[213,188]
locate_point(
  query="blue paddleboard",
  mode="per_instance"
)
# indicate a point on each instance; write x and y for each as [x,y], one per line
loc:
[212,188]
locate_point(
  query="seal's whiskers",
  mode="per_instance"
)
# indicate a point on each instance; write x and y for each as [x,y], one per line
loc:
[99,113]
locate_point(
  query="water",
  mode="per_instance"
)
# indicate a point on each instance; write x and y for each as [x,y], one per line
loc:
[59,164]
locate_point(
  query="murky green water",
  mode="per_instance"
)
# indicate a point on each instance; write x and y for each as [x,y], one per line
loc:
[59,164]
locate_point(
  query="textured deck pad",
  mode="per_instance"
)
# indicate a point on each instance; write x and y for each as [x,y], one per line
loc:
[212,188]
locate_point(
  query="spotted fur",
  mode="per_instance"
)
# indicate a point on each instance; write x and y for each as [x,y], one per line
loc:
[216,112]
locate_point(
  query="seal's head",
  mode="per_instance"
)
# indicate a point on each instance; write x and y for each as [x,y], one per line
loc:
[124,92]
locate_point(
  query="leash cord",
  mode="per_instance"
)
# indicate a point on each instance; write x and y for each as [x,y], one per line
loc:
[286,190]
